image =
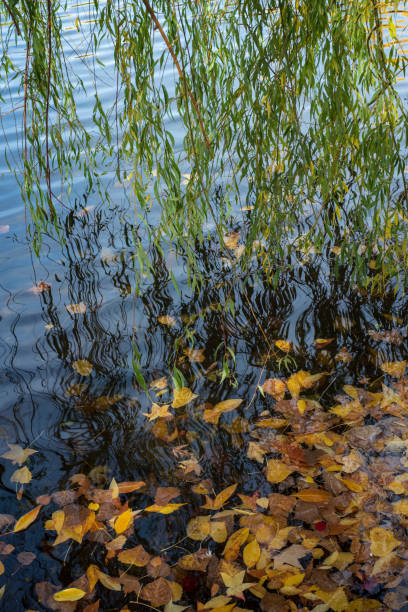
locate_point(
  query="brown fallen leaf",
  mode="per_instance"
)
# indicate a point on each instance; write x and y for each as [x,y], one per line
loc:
[158,592]
[212,415]
[313,495]
[220,499]
[195,355]
[135,556]
[83,367]
[275,387]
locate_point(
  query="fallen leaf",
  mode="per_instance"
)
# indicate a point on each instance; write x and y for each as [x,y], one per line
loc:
[220,499]
[283,345]
[313,495]
[17,454]
[159,383]
[234,543]
[26,520]
[159,412]
[198,528]
[195,355]
[167,320]
[277,471]
[69,595]
[26,558]
[135,556]
[123,521]
[275,387]
[76,308]
[164,509]
[382,541]
[83,367]
[158,592]
[182,397]
[251,553]
[394,368]
[231,240]
[212,415]
[321,343]
[40,287]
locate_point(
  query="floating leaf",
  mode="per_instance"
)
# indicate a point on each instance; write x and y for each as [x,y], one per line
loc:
[159,383]
[83,367]
[313,495]
[26,558]
[234,543]
[130,487]
[195,355]
[275,387]
[18,454]
[22,476]
[159,412]
[40,287]
[277,471]
[231,240]
[394,368]
[123,521]
[198,528]
[76,308]
[135,556]
[158,592]
[212,415]
[321,343]
[283,345]
[26,520]
[164,509]
[69,595]
[220,499]
[382,541]
[167,320]
[251,553]
[182,397]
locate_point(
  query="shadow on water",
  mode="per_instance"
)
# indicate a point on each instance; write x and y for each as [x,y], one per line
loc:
[96,424]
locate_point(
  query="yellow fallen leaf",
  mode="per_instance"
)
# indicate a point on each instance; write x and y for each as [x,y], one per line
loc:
[401,507]
[22,476]
[198,528]
[314,495]
[195,355]
[220,499]
[168,509]
[182,397]
[234,543]
[218,531]
[26,520]
[274,387]
[17,454]
[352,485]
[251,553]
[123,521]
[158,412]
[283,345]
[231,240]
[83,367]
[301,405]
[277,471]
[167,320]
[394,368]
[69,595]
[382,541]
[212,415]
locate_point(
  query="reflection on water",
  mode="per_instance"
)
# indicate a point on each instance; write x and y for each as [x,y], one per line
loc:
[80,424]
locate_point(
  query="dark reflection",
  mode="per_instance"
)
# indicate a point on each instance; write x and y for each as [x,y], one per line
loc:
[81,424]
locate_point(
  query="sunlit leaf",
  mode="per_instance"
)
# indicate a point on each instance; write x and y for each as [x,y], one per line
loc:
[123,521]
[283,345]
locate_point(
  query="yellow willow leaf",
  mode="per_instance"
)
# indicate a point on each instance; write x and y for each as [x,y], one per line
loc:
[251,554]
[168,509]
[212,415]
[283,345]
[182,397]
[382,541]
[69,595]
[123,521]
[83,367]
[26,520]
[234,543]
[394,368]
[277,471]
[22,476]
[352,485]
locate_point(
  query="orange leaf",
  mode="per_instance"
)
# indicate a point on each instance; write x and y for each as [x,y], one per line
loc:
[314,495]
[234,543]
[220,499]
[26,520]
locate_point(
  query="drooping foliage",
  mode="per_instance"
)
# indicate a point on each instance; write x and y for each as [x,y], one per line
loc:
[290,107]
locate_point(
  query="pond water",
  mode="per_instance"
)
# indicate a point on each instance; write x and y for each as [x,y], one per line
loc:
[98,425]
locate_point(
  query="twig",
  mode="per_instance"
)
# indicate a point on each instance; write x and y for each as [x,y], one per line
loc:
[179,70]
[12,17]
[47,108]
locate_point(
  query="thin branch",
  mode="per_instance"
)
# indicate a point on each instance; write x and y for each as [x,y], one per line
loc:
[12,17]
[179,70]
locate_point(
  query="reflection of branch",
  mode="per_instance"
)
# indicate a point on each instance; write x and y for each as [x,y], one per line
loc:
[12,17]
[179,70]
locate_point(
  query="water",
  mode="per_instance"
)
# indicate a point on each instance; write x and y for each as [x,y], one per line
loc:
[101,429]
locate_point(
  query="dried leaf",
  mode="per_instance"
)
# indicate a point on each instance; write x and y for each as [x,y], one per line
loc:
[212,415]
[198,528]
[158,592]
[382,541]
[195,355]
[182,397]
[159,412]
[251,553]
[220,499]
[234,543]
[167,320]
[123,521]
[135,556]
[313,495]
[283,345]
[26,558]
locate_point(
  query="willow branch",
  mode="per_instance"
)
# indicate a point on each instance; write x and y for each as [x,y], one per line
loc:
[14,20]
[179,70]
